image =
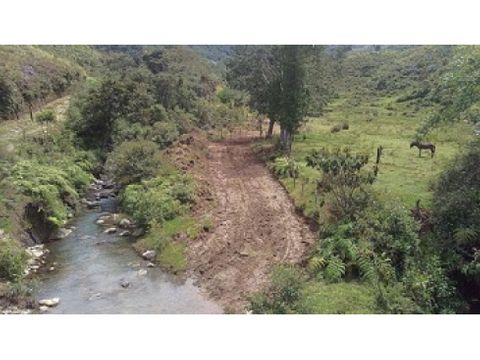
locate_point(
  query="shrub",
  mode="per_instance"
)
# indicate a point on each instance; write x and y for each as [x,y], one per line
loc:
[49,186]
[343,180]
[345,125]
[165,133]
[335,128]
[133,161]
[45,117]
[159,199]
[391,231]
[456,218]
[12,259]
[287,282]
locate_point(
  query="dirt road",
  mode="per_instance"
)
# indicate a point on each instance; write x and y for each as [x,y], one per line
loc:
[255,226]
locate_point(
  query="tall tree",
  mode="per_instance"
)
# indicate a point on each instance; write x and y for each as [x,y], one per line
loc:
[288,94]
[253,69]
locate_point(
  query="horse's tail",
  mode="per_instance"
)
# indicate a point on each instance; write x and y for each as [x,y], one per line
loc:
[433,149]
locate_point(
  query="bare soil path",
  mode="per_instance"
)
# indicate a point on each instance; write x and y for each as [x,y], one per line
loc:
[255,226]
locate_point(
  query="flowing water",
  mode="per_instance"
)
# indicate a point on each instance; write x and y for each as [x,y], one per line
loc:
[90,267]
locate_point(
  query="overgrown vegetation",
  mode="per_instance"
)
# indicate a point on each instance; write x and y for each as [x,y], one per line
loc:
[366,240]
[30,75]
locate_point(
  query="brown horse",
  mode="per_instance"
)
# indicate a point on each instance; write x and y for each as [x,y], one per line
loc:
[423,146]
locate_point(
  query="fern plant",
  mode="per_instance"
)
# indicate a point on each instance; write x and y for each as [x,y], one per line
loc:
[465,235]
[335,269]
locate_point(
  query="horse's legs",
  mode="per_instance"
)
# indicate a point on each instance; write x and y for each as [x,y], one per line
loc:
[419,152]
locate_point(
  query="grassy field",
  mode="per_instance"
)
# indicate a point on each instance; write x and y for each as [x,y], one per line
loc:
[403,175]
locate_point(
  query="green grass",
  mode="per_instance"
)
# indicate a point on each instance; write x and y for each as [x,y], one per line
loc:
[168,239]
[338,298]
[403,175]
[173,257]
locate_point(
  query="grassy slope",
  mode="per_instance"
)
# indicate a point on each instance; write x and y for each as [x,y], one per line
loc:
[403,175]
[375,118]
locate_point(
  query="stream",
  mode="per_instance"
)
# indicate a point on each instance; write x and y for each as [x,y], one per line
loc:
[91,265]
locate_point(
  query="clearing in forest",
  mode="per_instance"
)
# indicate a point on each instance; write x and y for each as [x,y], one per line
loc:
[255,226]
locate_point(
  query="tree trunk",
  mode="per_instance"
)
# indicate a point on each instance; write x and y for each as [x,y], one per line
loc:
[286,138]
[270,128]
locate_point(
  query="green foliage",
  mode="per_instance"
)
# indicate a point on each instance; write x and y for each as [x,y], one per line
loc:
[253,69]
[285,167]
[456,217]
[29,75]
[335,269]
[12,259]
[233,97]
[159,199]
[287,282]
[45,116]
[337,298]
[133,161]
[50,186]
[173,257]
[93,114]
[391,231]
[342,179]
[165,133]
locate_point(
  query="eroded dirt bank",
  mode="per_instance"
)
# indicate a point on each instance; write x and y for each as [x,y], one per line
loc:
[255,226]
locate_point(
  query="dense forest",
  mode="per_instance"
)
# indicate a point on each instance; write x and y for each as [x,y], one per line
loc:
[376,147]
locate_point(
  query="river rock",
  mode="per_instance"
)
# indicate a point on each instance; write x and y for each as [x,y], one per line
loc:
[137,232]
[125,223]
[149,255]
[124,283]
[125,233]
[111,230]
[60,234]
[100,222]
[49,302]
[150,265]
[90,204]
[95,296]
[142,272]
[43,308]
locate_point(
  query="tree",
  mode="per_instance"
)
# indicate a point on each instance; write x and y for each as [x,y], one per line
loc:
[289,97]
[10,99]
[253,69]
[133,161]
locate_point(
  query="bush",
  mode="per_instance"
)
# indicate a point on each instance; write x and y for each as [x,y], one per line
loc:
[346,185]
[335,128]
[133,161]
[345,125]
[49,186]
[391,231]
[45,117]
[165,133]
[159,199]
[287,282]
[12,259]
[456,218]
